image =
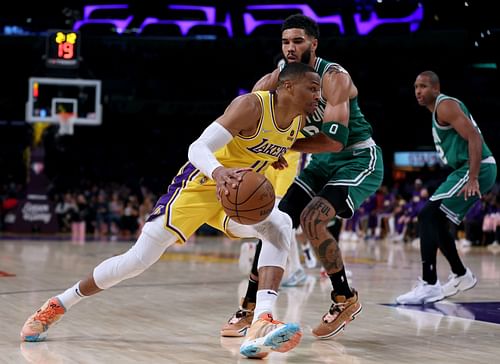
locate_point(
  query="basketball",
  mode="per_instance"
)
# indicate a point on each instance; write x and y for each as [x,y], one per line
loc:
[251,201]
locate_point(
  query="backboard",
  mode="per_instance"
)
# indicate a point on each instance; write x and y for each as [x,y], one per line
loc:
[48,97]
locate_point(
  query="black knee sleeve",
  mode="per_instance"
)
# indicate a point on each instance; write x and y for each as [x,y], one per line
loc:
[431,218]
[427,220]
[337,196]
[434,229]
[294,201]
[430,211]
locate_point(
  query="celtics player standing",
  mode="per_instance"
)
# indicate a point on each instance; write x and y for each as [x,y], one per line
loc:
[460,145]
[333,183]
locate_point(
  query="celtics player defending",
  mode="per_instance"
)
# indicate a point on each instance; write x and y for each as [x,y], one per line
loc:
[217,159]
[334,183]
[460,146]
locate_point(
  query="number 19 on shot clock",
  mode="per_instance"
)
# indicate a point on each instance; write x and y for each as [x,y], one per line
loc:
[63,49]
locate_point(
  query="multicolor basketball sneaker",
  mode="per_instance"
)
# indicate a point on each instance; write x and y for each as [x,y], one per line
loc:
[266,335]
[239,323]
[342,311]
[37,324]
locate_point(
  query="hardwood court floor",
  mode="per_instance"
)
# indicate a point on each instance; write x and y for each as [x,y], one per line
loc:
[172,313]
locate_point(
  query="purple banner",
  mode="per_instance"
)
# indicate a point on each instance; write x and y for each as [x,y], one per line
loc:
[253,17]
[33,215]
[36,212]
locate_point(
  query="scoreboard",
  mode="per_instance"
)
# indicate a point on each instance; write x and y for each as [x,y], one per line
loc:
[63,49]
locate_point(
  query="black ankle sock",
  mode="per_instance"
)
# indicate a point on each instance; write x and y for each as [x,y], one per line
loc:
[429,272]
[450,252]
[340,284]
[251,295]
[459,271]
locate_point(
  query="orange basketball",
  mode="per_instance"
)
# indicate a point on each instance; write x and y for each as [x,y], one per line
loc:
[251,201]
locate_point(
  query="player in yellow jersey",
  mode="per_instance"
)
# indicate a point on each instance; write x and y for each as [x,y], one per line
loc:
[335,182]
[255,130]
[281,179]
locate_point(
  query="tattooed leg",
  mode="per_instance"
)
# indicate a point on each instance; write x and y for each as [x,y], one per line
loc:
[314,220]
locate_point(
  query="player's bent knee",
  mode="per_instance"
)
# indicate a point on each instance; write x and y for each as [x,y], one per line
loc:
[309,218]
[272,256]
[277,228]
[294,202]
[275,233]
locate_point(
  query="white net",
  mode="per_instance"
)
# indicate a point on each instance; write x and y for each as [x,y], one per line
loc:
[66,123]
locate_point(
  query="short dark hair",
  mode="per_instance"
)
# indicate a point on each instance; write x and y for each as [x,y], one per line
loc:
[433,77]
[301,21]
[294,70]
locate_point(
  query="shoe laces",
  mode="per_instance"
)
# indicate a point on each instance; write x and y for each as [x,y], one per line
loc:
[451,277]
[335,309]
[47,315]
[421,284]
[269,318]
[240,314]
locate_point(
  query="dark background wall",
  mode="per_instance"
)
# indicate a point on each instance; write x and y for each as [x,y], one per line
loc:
[160,91]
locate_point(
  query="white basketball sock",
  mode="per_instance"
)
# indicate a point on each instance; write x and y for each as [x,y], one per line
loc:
[71,296]
[266,298]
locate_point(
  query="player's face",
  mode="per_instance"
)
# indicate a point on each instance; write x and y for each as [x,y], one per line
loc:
[307,92]
[297,46]
[424,91]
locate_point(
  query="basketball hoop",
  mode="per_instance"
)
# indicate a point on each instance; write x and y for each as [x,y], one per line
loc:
[66,123]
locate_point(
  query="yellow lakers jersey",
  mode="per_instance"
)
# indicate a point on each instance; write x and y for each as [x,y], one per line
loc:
[264,147]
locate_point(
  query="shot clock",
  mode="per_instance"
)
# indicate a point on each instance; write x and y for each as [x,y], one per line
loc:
[63,49]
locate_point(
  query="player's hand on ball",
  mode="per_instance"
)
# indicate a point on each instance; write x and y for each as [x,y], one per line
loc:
[227,178]
[252,201]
